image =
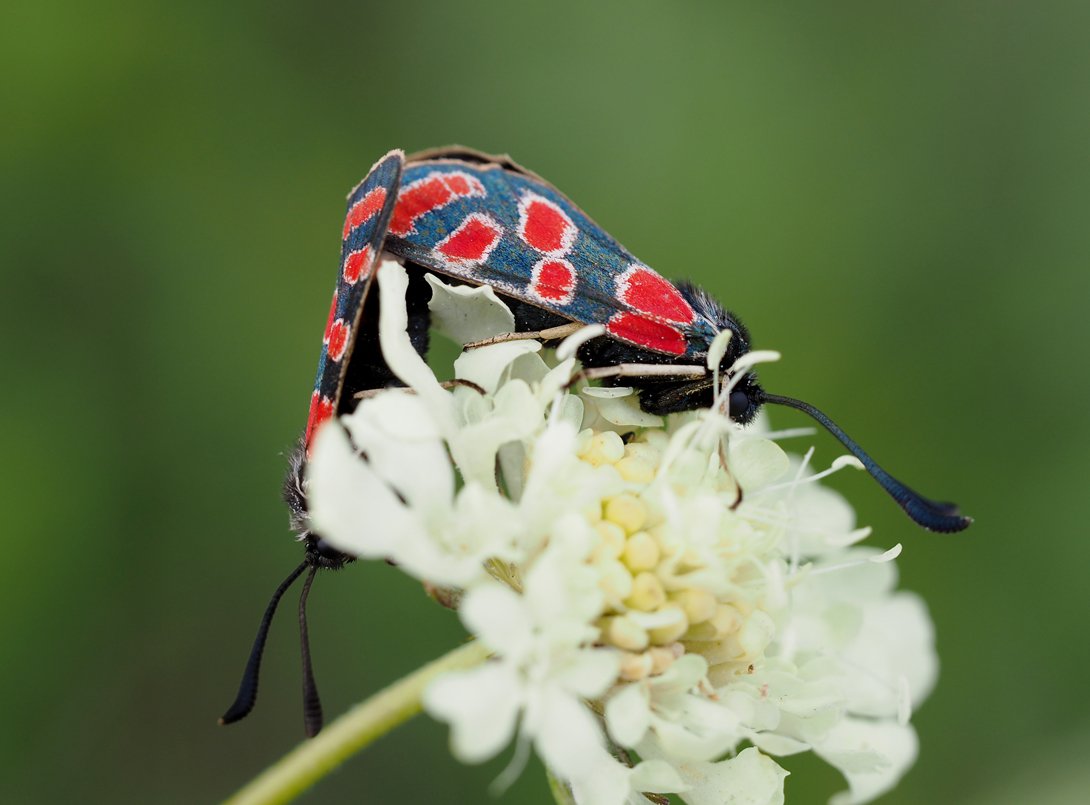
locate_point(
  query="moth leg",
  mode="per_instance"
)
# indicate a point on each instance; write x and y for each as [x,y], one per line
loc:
[548,334]
[447,384]
[663,370]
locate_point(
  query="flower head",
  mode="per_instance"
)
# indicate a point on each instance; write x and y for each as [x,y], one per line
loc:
[671,591]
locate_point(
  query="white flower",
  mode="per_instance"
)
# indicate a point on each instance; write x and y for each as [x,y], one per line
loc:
[546,666]
[655,594]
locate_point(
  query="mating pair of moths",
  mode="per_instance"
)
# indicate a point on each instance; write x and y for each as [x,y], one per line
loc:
[484,220]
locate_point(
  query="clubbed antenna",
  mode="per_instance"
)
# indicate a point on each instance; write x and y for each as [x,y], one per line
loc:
[312,704]
[247,689]
[933,516]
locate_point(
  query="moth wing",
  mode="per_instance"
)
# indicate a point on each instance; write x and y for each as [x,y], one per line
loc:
[367,221]
[486,220]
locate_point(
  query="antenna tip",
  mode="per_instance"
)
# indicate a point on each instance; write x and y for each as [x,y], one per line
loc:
[944,522]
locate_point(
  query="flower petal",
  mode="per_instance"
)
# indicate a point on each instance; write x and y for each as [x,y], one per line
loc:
[751,778]
[350,505]
[567,735]
[872,756]
[657,777]
[392,430]
[895,643]
[466,313]
[398,350]
[486,366]
[628,715]
[480,705]
[498,616]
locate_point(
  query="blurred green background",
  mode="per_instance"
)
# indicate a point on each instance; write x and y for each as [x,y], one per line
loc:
[894,195]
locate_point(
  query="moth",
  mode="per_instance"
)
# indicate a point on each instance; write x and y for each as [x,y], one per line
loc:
[482,219]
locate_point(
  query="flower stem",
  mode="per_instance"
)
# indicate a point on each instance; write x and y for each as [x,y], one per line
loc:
[365,722]
[559,789]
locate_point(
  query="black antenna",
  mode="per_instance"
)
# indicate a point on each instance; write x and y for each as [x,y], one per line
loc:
[247,689]
[933,516]
[312,705]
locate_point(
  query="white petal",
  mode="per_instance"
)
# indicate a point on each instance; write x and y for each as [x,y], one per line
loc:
[397,349]
[607,392]
[392,429]
[498,616]
[590,672]
[896,642]
[657,777]
[568,738]
[516,414]
[872,755]
[481,707]
[532,369]
[350,506]
[628,715]
[607,783]
[677,741]
[626,412]
[685,673]
[561,591]
[756,462]
[556,379]
[480,526]
[718,348]
[826,514]
[748,779]
[773,744]
[486,366]
[466,313]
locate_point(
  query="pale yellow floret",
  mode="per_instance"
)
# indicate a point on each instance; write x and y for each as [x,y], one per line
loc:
[662,657]
[726,620]
[641,552]
[612,543]
[627,511]
[752,638]
[625,633]
[605,447]
[615,581]
[636,666]
[657,439]
[647,592]
[593,513]
[699,604]
[666,635]
[633,540]
[644,452]
[636,470]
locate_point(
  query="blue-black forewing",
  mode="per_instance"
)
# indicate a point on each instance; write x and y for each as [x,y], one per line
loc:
[370,207]
[485,220]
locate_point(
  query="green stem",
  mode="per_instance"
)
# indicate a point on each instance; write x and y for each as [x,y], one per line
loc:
[559,789]
[370,719]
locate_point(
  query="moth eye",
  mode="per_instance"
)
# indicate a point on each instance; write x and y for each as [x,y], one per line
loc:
[739,404]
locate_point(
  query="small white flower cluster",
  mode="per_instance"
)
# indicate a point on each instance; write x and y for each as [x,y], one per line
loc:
[658,593]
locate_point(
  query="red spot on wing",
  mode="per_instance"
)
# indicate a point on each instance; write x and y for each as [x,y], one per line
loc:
[544,226]
[321,409]
[472,241]
[364,210]
[358,264]
[641,288]
[645,332]
[329,320]
[462,185]
[430,193]
[553,280]
[338,339]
